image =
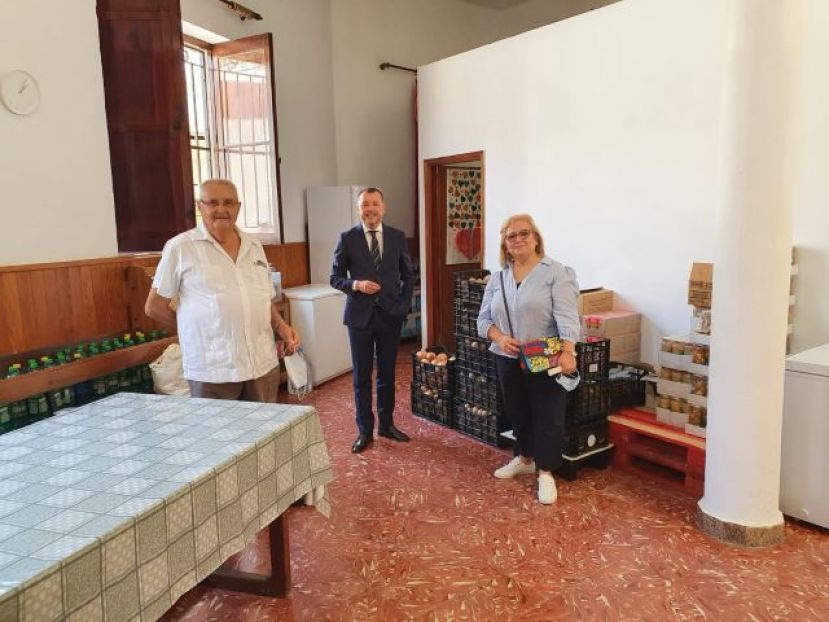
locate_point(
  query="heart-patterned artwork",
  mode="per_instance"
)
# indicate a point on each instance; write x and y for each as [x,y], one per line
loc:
[468,242]
[463,215]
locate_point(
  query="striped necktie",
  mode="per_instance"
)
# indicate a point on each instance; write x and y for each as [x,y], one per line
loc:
[375,249]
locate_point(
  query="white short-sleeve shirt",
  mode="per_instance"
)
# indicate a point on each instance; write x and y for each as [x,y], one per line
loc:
[224,310]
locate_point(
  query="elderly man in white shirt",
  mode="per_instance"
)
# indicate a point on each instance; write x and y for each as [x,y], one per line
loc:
[226,313]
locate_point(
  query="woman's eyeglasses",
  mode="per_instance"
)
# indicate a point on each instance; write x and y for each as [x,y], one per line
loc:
[518,235]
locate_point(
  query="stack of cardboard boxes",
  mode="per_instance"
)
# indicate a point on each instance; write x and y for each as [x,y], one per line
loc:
[600,320]
[682,387]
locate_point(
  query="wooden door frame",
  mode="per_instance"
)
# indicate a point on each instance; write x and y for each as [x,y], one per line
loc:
[431,167]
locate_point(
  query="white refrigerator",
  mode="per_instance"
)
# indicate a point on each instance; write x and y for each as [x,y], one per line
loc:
[317,314]
[331,210]
[804,472]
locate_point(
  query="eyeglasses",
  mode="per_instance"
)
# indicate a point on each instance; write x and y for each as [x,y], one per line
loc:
[518,235]
[217,202]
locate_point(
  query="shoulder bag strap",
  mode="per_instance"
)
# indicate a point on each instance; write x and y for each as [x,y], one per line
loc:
[506,306]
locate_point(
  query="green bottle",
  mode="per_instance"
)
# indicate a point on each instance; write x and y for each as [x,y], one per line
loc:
[139,337]
[106,346]
[94,350]
[32,365]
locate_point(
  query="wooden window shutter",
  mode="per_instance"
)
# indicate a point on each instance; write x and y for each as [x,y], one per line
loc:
[146,107]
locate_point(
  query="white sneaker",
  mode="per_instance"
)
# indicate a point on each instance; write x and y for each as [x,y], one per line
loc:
[547,492]
[515,467]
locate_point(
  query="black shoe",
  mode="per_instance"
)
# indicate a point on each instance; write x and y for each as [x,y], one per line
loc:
[394,434]
[363,441]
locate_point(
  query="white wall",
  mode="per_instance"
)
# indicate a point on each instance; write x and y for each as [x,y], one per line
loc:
[811,188]
[374,109]
[605,128]
[54,165]
[304,89]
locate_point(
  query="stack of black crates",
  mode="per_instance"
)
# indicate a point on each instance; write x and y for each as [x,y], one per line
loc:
[479,406]
[433,389]
[585,425]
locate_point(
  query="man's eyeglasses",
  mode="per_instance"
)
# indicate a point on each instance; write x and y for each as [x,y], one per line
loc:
[518,235]
[217,203]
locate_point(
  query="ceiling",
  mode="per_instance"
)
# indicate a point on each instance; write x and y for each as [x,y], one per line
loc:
[496,4]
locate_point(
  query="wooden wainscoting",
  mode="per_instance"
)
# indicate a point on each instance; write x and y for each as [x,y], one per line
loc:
[291,260]
[43,306]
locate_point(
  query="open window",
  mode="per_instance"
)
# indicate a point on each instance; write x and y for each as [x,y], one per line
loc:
[233,133]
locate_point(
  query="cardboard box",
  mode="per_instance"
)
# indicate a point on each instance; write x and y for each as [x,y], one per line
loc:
[700,283]
[626,343]
[595,300]
[627,356]
[611,323]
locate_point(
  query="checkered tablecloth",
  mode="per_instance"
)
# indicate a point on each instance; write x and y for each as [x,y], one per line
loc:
[115,509]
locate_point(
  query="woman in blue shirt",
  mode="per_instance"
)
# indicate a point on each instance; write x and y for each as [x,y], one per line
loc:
[542,295]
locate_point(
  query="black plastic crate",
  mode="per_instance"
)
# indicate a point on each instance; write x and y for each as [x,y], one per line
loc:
[581,439]
[466,318]
[626,387]
[593,359]
[437,377]
[478,389]
[588,402]
[474,355]
[466,290]
[484,427]
[437,406]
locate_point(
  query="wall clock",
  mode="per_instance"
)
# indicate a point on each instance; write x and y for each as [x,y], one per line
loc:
[19,92]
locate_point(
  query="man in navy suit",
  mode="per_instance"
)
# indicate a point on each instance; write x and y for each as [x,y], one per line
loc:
[372,267]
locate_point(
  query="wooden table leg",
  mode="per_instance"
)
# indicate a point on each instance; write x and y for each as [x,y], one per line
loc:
[275,584]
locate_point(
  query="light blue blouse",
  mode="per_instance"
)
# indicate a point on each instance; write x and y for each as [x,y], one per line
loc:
[545,305]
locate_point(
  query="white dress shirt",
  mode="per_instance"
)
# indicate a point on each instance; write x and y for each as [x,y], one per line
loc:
[224,311]
[379,230]
[366,232]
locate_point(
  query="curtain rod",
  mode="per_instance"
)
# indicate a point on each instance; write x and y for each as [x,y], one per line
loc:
[385,66]
[241,10]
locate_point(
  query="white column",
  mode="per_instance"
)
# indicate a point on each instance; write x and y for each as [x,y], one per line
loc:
[751,271]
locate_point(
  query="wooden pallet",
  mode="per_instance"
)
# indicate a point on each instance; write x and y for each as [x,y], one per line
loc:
[657,451]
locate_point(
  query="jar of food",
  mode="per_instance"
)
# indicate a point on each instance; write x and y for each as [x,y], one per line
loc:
[676,375]
[677,347]
[676,404]
[694,415]
[699,385]
[665,402]
[665,373]
[700,356]
[667,345]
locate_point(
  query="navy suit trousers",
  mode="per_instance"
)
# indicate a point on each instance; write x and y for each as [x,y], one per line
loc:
[380,336]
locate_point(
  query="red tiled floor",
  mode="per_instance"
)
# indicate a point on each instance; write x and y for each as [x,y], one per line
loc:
[421,531]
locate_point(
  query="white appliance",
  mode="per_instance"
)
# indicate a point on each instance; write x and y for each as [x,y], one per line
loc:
[331,210]
[804,472]
[317,314]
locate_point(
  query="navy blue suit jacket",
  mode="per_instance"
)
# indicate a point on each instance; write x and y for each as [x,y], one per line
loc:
[352,262]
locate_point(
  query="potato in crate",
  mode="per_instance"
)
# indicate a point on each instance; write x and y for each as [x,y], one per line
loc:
[433,405]
[435,368]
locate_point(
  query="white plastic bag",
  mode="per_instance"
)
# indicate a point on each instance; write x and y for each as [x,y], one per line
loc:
[299,374]
[168,373]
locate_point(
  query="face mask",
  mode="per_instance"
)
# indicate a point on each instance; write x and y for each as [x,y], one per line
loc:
[297,369]
[569,382]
